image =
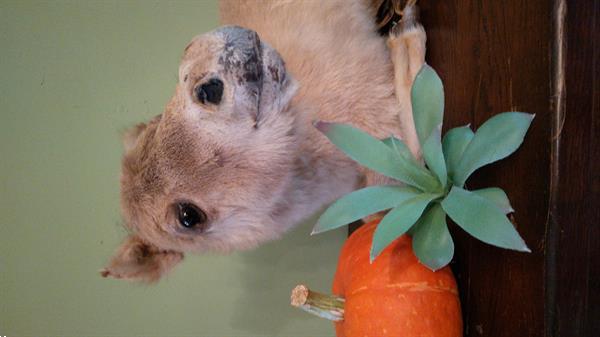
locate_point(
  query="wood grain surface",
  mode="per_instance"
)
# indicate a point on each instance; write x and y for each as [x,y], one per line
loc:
[496,56]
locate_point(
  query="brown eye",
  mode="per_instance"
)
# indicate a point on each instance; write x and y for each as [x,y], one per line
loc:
[189,215]
[210,92]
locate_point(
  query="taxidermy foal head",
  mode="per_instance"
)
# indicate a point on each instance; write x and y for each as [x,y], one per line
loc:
[209,173]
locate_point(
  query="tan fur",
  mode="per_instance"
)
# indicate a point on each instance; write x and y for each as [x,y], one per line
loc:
[254,163]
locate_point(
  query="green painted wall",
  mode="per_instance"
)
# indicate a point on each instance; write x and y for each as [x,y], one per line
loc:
[72,76]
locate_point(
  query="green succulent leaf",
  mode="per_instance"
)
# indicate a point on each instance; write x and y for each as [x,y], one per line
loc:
[482,219]
[497,138]
[434,157]
[362,203]
[376,155]
[432,242]
[389,141]
[454,144]
[496,196]
[400,148]
[398,221]
[427,96]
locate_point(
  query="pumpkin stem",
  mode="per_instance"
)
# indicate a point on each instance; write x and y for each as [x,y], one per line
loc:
[325,306]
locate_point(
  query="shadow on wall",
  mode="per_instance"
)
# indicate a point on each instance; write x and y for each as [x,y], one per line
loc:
[271,272]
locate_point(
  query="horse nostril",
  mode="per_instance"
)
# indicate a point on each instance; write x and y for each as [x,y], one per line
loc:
[211,91]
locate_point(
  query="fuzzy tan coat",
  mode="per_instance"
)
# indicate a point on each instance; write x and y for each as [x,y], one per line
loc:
[250,161]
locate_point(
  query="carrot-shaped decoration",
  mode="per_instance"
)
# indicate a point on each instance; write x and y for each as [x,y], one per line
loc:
[393,296]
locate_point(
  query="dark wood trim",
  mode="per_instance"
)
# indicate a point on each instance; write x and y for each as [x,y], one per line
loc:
[574,308]
[558,109]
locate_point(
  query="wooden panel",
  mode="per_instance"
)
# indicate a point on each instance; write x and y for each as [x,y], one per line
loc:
[494,56]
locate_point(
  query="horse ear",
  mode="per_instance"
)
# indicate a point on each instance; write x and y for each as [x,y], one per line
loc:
[131,136]
[136,260]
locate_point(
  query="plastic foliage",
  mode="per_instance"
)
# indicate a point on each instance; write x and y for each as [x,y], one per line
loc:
[432,189]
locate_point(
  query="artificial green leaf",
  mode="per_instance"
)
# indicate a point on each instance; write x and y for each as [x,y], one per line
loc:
[389,141]
[374,154]
[434,157]
[427,96]
[362,203]
[497,138]
[482,219]
[454,144]
[398,221]
[400,148]
[432,242]
[496,196]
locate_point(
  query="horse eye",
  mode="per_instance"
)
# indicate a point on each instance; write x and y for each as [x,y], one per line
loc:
[211,91]
[189,215]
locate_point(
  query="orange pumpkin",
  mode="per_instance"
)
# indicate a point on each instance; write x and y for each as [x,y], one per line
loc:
[395,295]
